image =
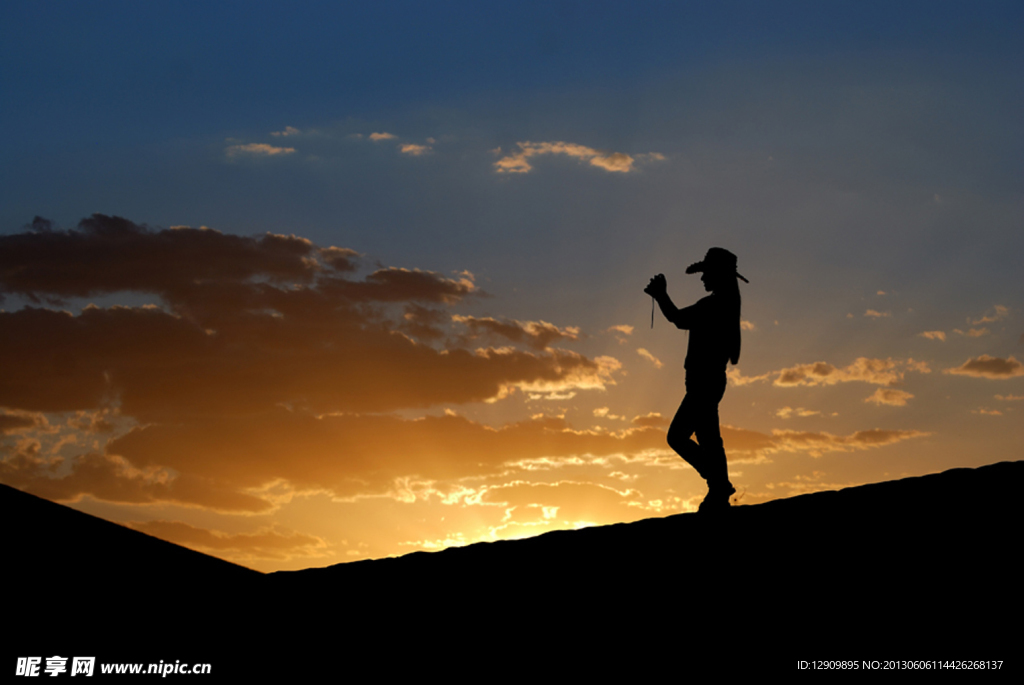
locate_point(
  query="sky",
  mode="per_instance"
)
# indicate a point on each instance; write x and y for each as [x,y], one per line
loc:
[297,284]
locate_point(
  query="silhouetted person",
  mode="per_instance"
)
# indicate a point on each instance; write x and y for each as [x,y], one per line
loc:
[714,325]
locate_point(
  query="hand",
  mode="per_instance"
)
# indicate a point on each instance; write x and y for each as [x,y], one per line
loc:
[657,286]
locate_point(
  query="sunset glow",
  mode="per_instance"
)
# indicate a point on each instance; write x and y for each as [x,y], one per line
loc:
[374,296]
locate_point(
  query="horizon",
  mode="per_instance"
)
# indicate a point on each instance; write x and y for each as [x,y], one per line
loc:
[351,283]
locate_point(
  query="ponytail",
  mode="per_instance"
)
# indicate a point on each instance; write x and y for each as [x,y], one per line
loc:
[734,342]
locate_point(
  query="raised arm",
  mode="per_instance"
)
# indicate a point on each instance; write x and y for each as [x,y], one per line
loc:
[657,289]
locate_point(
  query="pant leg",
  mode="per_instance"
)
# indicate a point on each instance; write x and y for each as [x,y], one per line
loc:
[709,436]
[683,426]
[698,414]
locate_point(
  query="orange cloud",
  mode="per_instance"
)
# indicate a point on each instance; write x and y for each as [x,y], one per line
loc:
[972,333]
[621,333]
[933,335]
[998,312]
[818,443]
[575,373]
[415,150]
[876,371]
[788,412]
[233,464]
[537,334]
[518,163]
[814,443]
[350,455]
[256,150]
[986,366]
[652,419]
[737,378]
[563,502]
[890,396]
[649,357]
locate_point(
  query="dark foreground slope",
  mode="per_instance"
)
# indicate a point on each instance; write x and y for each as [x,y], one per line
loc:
[922,568]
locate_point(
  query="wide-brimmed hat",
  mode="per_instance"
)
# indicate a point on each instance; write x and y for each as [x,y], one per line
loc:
[717,260]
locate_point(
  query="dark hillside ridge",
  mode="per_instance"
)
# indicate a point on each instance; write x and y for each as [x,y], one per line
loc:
[916,569]
[48,544]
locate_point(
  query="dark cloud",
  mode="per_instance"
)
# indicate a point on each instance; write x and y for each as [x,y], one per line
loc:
[423,323]
[244,328]
[401,285]
[111,254]
[92,422]
[158,364]
[61,362]
[339,258]
[246,324]
[12,423]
